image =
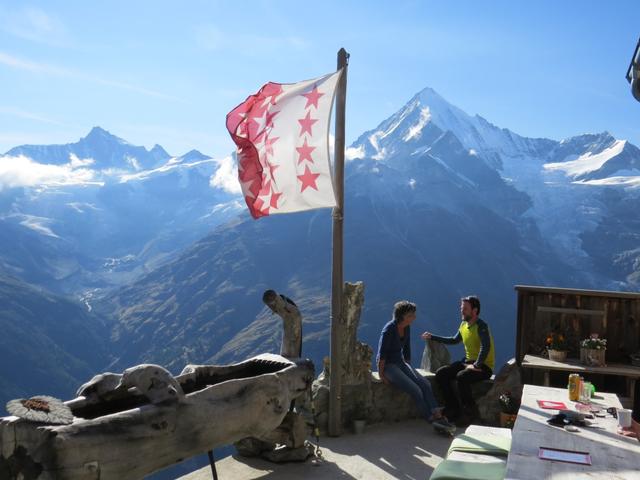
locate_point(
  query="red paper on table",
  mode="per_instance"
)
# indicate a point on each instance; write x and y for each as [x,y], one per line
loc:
[551,405]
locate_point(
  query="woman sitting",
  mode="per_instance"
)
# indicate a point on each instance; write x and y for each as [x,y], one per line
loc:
[394,365]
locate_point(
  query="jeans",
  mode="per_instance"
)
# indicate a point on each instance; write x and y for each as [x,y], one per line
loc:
[405,377]
[458,371]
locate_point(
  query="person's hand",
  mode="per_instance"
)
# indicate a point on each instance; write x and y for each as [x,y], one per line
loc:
[471,366]
[426,335]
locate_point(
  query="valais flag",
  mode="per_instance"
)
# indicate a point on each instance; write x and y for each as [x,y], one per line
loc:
[283,146]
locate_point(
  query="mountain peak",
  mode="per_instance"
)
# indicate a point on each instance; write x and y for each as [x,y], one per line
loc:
[444,114]
[159,153]
[194,156]
[99,134]
[428,94]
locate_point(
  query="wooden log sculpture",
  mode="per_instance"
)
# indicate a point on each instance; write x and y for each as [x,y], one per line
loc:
[122,434]
[291,346]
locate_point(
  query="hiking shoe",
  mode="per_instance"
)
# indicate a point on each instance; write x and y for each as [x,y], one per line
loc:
[444,426]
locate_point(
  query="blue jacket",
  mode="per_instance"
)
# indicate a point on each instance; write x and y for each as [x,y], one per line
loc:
[392,348]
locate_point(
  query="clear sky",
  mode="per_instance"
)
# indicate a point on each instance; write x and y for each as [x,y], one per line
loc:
[168,72]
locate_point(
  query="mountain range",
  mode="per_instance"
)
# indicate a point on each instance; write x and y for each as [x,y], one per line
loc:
[160,254]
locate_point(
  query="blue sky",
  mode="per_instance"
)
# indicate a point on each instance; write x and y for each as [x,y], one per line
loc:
[168,72]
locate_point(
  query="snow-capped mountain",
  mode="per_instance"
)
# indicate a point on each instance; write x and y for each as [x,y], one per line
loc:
[571,183]
[104,149]
[100,212]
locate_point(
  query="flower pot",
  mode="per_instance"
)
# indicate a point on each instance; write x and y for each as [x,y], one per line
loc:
[557,355]
[507,420]
[592,357]
[358,426]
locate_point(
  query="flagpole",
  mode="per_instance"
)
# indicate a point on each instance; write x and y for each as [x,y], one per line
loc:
[335,383]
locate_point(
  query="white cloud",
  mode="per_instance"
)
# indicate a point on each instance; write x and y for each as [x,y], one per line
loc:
[211,37]
[22,171]
[17,112]
[416,130]
[171,164]
[226,176]
[75,162]
[352,153]
[381,153]
[36,25]
[53,70]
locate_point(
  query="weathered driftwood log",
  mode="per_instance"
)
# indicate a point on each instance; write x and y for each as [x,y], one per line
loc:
[356,355]
[291,346]
[128,437]
[356,370]
[356,363]
[100,387]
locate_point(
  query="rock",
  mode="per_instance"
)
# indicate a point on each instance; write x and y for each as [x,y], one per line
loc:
[284,454]
[252,447]
[509,379]
[389,404]
[292,432]
[434,356]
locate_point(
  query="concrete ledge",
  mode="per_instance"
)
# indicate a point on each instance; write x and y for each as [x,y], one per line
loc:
[376,401]
[391,404]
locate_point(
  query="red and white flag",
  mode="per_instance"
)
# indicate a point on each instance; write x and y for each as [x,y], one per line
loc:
[282,135]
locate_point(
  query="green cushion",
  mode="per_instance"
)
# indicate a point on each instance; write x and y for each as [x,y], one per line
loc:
[457,470]
[490,444]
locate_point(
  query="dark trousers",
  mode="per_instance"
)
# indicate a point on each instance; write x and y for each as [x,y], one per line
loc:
[457,371]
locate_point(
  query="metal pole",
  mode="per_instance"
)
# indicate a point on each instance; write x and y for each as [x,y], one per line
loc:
[212,462]
[335,400]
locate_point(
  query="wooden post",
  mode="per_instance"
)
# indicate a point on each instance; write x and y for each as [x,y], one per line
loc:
[335,406]
[291,346]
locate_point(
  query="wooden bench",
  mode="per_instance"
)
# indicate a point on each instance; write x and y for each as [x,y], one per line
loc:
[630,372]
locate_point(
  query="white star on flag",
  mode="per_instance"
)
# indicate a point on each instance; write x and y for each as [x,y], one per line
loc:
[282,135]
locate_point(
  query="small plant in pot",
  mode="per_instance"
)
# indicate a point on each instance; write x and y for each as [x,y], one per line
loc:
[593,350]
[556,344]
[509,406]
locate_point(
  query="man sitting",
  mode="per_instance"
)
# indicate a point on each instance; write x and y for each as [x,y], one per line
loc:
[477,365]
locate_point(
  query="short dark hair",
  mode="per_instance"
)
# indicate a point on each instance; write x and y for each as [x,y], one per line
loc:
[401,308]
[474,301]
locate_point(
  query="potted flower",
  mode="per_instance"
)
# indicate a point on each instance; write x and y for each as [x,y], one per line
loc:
[592,351]
[556,346]
[509,406]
